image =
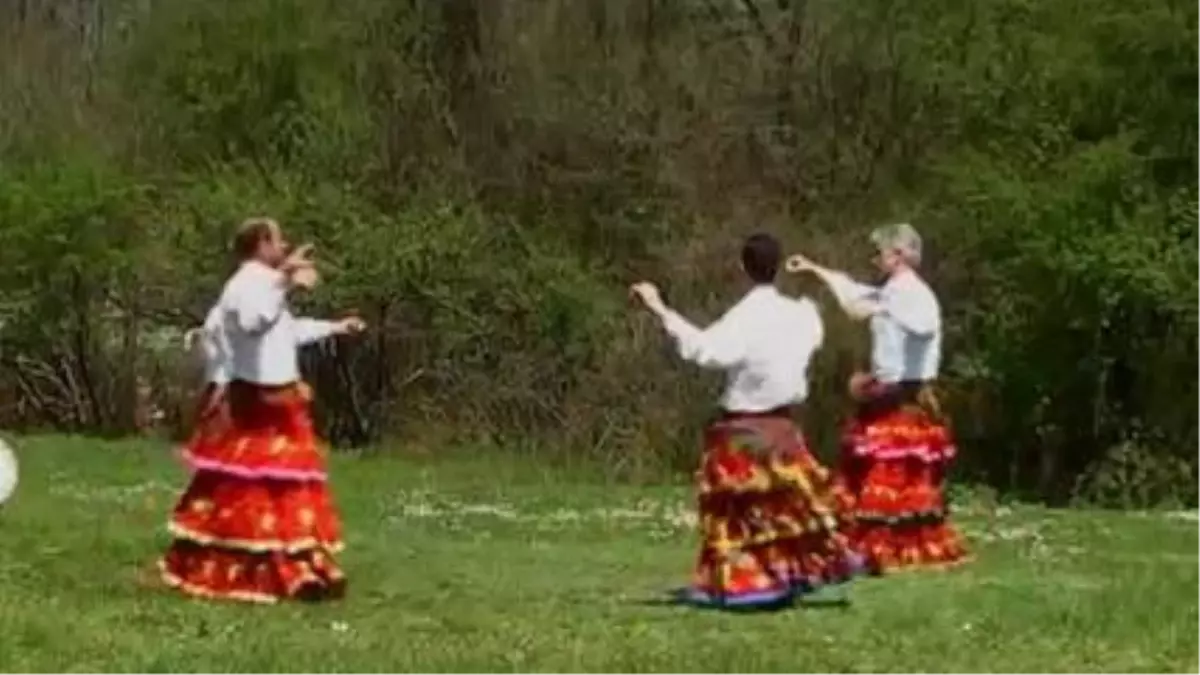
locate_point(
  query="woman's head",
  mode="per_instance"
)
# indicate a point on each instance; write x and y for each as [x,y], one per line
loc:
[897,247]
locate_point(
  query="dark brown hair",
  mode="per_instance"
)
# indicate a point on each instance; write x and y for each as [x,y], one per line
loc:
[761,255]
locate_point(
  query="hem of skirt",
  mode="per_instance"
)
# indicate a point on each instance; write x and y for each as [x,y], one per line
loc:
[185,533]
[702,598]
[198,591]
[943,558]
[216,466]
[331,588]
[750,599]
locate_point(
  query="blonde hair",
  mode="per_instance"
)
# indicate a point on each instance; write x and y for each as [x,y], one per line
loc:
[901,238]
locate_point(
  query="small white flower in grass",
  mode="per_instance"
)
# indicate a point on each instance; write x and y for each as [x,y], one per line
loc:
[339,627]
[112,494]
[682,519]
[967,627]
[564,515]
[500,511]
[420,510]
[1190,516]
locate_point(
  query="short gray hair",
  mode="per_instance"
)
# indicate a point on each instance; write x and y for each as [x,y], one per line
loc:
[902,238]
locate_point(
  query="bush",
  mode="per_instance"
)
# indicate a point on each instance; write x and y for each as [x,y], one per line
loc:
[1132,475]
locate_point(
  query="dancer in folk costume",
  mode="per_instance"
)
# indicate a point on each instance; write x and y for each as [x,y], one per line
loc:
[898,446]
[771,529]
[257,521]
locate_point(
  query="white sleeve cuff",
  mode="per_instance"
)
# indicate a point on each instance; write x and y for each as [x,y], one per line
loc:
[313,330]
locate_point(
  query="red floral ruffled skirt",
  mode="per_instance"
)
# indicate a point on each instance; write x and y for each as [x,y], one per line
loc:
[257,522]
[770,522]
[895,454]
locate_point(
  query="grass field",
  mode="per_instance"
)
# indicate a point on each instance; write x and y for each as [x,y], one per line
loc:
[492,565]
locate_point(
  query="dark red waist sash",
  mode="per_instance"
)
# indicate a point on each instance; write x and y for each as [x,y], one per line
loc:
[787,412]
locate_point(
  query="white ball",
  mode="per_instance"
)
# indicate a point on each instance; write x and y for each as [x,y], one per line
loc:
[8,471]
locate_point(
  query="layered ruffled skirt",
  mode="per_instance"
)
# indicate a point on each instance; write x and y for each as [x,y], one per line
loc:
[257,522]
[895,455]
[770,523]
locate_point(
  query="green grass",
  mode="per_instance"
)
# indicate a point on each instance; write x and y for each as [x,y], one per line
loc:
[491,565]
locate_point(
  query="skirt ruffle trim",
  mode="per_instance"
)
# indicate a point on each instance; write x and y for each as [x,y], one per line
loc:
[773,476]
[888,451]
[253,545]
[933,546]
[262,578]
[918,503]
[255,515]
[262,433]
[240,470]
[781,529]
[900,434]
[199,591]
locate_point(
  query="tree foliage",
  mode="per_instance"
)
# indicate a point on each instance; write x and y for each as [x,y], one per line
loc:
[484,178]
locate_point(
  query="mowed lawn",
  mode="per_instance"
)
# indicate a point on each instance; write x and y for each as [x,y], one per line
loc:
[491,564]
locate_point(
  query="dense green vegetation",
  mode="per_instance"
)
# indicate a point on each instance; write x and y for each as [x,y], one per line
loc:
[484,178]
